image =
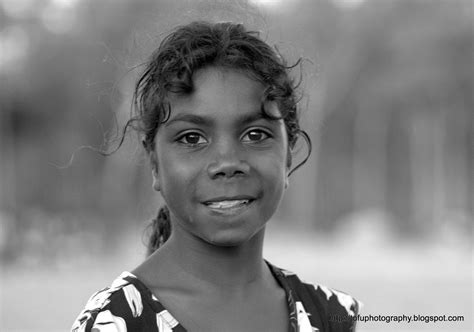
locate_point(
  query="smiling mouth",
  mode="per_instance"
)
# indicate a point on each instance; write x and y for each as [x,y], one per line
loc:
[228,204]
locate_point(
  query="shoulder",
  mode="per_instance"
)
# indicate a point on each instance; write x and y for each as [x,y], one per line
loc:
[114,306]
[326,307]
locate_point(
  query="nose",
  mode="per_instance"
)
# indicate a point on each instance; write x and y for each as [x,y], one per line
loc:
[227,163]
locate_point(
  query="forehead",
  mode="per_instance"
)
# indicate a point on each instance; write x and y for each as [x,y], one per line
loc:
[220,92]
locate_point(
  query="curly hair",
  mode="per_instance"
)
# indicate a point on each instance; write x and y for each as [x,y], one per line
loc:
[192,47]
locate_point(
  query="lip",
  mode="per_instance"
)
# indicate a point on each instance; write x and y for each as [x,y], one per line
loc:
[229,198]
[230,211]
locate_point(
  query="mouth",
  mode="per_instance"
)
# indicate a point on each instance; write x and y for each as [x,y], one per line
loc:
[229,205]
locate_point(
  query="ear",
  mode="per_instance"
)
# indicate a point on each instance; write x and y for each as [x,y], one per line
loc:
[154,171]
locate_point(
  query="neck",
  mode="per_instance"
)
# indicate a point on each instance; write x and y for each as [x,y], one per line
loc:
[223,268]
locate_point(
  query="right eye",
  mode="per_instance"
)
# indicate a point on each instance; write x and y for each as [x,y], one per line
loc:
[191,139]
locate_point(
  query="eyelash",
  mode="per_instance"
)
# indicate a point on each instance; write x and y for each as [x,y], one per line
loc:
[182,137]
[259,131]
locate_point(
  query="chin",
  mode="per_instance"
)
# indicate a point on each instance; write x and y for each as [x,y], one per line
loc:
[227,242]
[229,238]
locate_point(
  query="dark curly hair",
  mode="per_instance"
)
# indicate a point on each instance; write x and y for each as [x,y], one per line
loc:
[170,71]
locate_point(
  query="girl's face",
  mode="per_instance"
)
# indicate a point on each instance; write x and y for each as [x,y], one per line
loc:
[220,166]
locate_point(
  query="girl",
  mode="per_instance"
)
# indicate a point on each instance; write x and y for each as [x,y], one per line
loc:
[218,114]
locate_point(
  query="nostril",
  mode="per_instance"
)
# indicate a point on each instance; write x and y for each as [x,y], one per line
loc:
[239,172]
[228,169]
[220,174]
[228,174]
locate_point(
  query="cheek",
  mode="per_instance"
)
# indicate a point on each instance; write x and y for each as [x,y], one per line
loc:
[278,159]
[276,170]
[273,170]
[177,175]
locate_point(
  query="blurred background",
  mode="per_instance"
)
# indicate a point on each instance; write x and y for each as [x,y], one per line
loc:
[382,210]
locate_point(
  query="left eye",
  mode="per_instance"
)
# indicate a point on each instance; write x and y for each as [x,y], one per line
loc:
[255,136]
[192,139]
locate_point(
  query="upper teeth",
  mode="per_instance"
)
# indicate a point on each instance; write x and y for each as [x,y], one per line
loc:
[227,204]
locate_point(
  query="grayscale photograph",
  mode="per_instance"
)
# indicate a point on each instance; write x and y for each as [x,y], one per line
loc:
[236,166]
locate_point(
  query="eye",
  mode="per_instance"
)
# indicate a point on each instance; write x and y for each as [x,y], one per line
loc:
[255,135]
[191,139]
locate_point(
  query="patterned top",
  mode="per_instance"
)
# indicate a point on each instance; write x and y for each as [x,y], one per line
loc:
[128,305]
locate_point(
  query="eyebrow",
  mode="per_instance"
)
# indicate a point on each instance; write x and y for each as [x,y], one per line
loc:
[191,118]
[208,121]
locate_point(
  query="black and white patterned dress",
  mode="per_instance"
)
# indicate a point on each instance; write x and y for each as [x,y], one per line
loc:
[128,305]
